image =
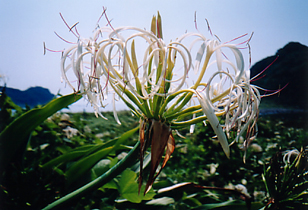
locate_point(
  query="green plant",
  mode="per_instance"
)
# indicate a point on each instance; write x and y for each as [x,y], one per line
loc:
[15,135]
[286,180]
[90,166]
[162,98]
[14,144]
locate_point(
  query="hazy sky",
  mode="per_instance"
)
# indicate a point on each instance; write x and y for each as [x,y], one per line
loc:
[25,25]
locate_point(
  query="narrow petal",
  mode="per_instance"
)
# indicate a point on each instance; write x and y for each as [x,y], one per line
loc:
[114,110]
[199,57]
[212,118]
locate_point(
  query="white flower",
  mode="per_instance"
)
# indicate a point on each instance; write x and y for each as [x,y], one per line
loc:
[256,147]
[70,132]
[242,189]
[290,156]
[155,79]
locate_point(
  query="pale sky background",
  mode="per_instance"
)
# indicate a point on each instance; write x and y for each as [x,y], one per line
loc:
[26,24]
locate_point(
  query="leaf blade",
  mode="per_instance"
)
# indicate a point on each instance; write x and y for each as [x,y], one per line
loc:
[16,134]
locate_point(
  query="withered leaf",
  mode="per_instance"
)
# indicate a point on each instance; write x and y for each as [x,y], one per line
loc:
[161,137]
[142,150]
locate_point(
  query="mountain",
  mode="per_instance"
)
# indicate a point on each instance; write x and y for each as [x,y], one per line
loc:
[291,67]
[32,97]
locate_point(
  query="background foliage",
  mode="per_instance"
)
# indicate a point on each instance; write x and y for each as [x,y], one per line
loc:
[68,150]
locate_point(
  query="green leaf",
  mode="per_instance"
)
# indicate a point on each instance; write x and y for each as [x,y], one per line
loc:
[63,149]
[232,204]
[128,188]
[15,136]
[159,26]
[85,164]
[63,158]
[192,201]
[113,161]
[75,154]
[7,103]
[100,181]
[111,185]
[153,25]
[101,167]
[125,136]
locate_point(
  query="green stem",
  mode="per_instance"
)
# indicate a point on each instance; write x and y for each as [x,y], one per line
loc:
[178,125]
[183,102]
[100,181]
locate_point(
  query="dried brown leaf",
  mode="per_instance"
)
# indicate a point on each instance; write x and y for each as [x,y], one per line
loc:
[160,137]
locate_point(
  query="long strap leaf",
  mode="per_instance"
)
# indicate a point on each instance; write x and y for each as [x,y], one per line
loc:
[100,181]
[16,134]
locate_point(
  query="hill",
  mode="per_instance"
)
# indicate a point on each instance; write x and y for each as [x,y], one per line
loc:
[32,97]
[291,67]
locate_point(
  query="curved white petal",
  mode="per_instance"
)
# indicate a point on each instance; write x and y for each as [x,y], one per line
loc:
[212,118]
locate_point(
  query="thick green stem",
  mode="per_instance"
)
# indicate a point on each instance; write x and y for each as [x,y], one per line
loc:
[100,181]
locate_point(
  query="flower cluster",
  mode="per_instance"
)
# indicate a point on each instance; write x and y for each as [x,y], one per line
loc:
[164,87]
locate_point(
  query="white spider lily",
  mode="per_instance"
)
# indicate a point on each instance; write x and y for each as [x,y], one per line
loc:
[156,87]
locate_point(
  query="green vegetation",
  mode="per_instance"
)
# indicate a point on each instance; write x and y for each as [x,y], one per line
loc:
[68,150]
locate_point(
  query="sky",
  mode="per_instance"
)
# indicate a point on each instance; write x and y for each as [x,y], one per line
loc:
[26,25]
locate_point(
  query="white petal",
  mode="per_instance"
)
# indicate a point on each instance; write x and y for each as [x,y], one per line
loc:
[114,110]
[209,112]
